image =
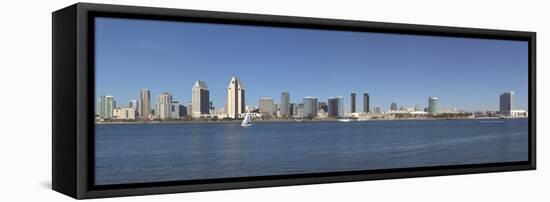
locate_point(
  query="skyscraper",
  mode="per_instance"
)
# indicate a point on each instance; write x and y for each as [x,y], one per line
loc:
[507,103]
[432,105]
[200,99]
[266,106]
[106,107]
[164,102]
[134,105]
[352,102]
[145,108]
[335,106]
[310,107]
[235,98]
[292,109]
[322,106]
[285,104]
[175,110]
[189,109]
[101,106]
[366,103]
[393,106]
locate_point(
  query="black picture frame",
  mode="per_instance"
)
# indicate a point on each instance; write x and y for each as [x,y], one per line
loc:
[73,100]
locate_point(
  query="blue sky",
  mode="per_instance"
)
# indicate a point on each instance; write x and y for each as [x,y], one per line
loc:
[166,56]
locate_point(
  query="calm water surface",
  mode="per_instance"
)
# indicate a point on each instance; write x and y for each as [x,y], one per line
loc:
[135,153]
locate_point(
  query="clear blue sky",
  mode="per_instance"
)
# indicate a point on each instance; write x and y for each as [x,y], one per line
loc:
[168,56]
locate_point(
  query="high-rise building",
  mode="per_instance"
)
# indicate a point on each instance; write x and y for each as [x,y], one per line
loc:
[322,106]
[145,100]
[352,102]
[310,107]
[285,104]
[164,102]
[235,98]
[200,99]
[189,109]
[292,109]
[101,106]
[183,110]
[106,107]
[134,105]
[393,106]
[377,110]
[507,103]
[266,106]
[366,103]
[300,110]
[335,106]
[432,105]
[174,110]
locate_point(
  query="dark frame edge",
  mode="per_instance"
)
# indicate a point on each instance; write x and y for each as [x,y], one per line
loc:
[64,134]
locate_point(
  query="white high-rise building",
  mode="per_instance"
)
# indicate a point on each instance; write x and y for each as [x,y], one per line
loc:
[164,102]
[200,99]
[134,105]
[235,98]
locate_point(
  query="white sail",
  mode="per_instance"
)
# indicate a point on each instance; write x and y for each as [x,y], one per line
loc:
[247,120]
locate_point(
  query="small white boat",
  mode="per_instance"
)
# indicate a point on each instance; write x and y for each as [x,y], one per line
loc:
[247,121]
[344,120]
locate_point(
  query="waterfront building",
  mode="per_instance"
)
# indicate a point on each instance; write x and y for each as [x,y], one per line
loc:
[134,105]
[174,110]
[145,100]
[200,99]
[507,103]
[235,98]
[124,113]
[189,109]
[377,110]
[352,108]
[335,107]
[285,104]
[393,106]
[267,106]
[300,110]
[293,108]
[106,107]
[322,106]
[101,107]
[182,111]
[432,105]
[366,102]
[310,107]
[164,102]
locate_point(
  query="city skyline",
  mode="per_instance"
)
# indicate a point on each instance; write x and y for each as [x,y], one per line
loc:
[335,68]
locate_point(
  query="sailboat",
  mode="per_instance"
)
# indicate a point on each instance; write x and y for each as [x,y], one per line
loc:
[247,121]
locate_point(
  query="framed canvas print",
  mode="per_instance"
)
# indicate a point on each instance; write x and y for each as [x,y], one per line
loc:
[154,100]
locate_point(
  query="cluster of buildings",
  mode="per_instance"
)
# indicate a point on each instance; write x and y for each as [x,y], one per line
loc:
[166,108]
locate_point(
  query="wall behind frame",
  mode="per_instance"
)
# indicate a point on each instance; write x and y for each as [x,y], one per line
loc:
[25,80]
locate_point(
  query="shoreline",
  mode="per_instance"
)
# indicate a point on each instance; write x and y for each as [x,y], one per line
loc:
[302,121]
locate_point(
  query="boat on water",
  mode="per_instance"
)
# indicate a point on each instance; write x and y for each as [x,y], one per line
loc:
[247,121]
[344,120]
